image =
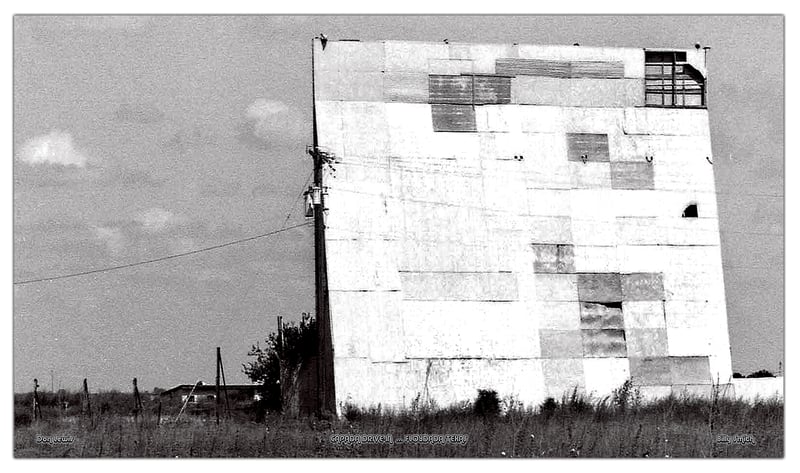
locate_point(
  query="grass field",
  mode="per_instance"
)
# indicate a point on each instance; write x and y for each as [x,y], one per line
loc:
[572,427]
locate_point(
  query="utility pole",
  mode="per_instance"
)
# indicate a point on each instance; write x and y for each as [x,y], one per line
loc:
[137,401]
[281,383]
[216,398]
[325,396]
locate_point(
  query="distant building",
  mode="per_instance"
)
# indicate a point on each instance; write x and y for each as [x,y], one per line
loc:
[529,219]
[207,393]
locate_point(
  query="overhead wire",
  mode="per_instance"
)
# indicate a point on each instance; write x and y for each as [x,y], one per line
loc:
[162,258]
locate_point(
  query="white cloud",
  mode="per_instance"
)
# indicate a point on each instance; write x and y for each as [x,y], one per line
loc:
[113,237]
[155,220]
[273,119]
[55,148]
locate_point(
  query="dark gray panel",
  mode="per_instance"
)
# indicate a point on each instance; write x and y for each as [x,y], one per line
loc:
[492,90]
[532,67]
[651,371]
[604,343]
[601,316]
[592,146]
[690,370]
[560,343]
[598,69]
[453,117]
[599,287]
[450,89]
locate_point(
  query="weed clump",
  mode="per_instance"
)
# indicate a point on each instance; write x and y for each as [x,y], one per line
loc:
[487,404]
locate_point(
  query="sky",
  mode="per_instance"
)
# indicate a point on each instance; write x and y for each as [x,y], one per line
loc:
[140,137]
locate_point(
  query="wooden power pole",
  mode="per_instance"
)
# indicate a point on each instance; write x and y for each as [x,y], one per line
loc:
[326,400]
[217,399]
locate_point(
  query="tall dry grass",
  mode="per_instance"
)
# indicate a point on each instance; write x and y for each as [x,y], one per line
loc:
[574,426]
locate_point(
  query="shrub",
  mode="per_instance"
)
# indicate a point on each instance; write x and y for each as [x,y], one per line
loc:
[487,404]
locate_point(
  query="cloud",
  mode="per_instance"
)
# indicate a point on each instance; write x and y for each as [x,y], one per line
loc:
[141,113]
[112,237]
[155,220]
[270,120]
[55,148]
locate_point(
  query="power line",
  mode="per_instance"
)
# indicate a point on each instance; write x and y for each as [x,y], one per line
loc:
[302,190]
[163,258]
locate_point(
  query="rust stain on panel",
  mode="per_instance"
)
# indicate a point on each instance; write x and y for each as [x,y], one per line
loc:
[553,258]
[453,117]
[599,287]
[604,343]
[632,175]
[601,316]
[643,286]
[591,147]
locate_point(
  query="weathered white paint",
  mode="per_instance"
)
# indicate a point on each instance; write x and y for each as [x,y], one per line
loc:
[432,237]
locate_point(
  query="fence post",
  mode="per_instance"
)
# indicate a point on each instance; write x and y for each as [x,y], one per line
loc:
[37,410]
[137,402]
[87,401]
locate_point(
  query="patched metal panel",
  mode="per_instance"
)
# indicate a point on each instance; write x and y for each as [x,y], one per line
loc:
[453,117]
[360,86]
[563,69]
[550,229]
[633,58]
[643,286]
[556,287]
[347,260]
[644,314]
[561,343]
[563,376]
[451,66]
[405,87]
[412,57]
[690,370]
[601,316]
[646,342]
[599,287]
[532,67]
[651,371]
[462,329]
[595,259]
[589,147]
[549,258]
[598,69]
[492,89]
[590,175]
[459,286]
[448,89]
[632,175]
[483,55]
[665,121]
[604,343]
[556,315]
